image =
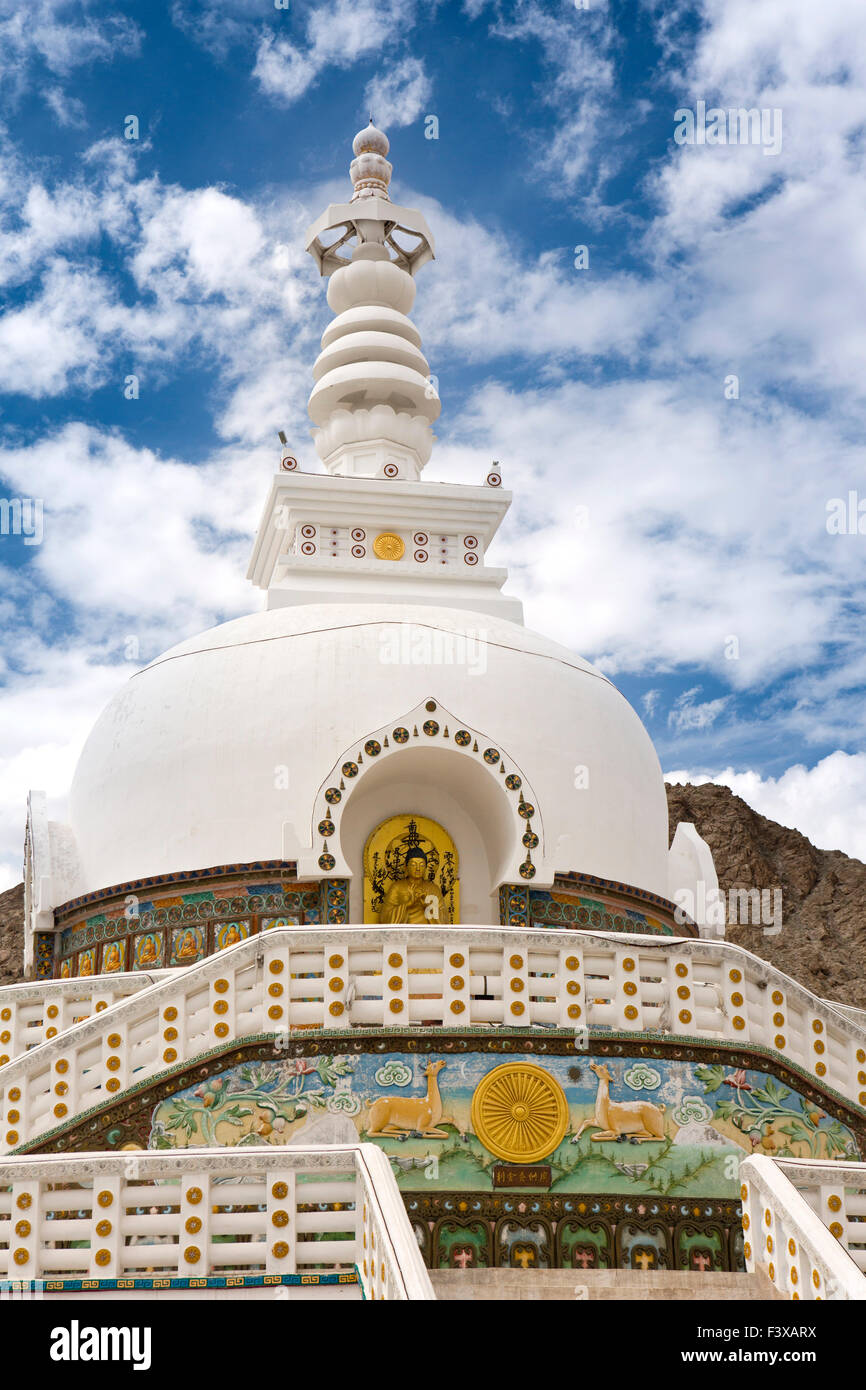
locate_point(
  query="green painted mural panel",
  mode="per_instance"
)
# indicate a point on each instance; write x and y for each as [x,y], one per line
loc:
[675,1128]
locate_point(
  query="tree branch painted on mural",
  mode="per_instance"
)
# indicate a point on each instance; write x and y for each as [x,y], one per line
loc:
[283,1090]
[758,1113]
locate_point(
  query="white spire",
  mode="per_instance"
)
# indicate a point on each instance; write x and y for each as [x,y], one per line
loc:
[370,530]
[374,400]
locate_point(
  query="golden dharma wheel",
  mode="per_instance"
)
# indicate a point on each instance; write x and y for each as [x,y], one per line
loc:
[519,1112]
[388,546]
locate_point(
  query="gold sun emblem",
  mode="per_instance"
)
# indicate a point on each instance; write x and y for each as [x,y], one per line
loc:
[519,1112]
[388,546]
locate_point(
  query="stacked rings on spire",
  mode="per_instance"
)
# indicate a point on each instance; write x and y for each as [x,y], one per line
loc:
[371,361]
[374,400]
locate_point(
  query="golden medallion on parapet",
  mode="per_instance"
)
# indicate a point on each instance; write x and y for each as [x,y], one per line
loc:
[389,547]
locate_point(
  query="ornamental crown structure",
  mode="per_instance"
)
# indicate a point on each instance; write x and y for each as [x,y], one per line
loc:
[374,401]
[369,528]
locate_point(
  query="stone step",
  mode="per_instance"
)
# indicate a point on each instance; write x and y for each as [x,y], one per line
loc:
[594,1284]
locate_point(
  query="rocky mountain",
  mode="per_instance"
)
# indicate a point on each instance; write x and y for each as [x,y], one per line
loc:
[11,934]
[822,943]
[823,938]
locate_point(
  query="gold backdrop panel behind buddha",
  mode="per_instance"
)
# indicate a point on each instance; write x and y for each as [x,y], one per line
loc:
[411,872]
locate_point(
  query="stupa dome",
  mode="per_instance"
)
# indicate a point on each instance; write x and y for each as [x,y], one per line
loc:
[220,751]
[389,679]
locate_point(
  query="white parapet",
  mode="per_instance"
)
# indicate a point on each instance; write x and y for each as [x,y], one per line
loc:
[211,1212]
[294,979]
[804,1227]
[33,1013]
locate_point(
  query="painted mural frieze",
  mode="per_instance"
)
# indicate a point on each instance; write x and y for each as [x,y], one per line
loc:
[643,1163]
[152,930]
[673,1128]
[578,900]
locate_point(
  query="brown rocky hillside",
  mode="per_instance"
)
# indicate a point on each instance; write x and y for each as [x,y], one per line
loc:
[11,934]
[823,938]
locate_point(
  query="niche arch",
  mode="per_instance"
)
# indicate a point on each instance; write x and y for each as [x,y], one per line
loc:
[430,761]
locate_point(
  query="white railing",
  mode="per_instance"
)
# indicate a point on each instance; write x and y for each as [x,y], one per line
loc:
[291,980]
[836,1192]
[858,1015]
[31,1013]
[210,1212]
[804,1225]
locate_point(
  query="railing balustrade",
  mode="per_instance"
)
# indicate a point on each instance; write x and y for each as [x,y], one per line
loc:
[33,1012]
[292,980]
[804,1225]
[202,1213]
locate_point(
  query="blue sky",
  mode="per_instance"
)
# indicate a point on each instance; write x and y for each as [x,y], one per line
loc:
[665,525]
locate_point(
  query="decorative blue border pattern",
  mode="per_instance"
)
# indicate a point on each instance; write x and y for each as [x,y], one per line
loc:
[214,1281]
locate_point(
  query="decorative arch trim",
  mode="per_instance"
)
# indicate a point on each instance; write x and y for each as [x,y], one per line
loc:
[428,724]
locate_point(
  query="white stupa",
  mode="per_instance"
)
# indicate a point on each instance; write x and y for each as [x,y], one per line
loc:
[381,615]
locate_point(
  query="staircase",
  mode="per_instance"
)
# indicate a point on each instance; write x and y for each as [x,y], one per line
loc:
[619,1285]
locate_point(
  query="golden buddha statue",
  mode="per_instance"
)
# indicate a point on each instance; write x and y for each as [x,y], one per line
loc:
[415,897]
[86,964]
[411,872]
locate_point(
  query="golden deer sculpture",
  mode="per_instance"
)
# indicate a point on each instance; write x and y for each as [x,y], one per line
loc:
[636,1120]
[396,1117]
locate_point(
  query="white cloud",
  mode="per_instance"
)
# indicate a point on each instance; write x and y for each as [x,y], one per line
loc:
[743,281]
[337,35]
[282,70]
[580,81]
[686,537]
[826,803]
[45,716]
[220,279]
[217,25]
[687,713]
[485,299]
[121,526]
[210,240]
[398,96]
[58,337]
[68,109]
[59,36]
[143,551]
[650,702]
[770,252]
